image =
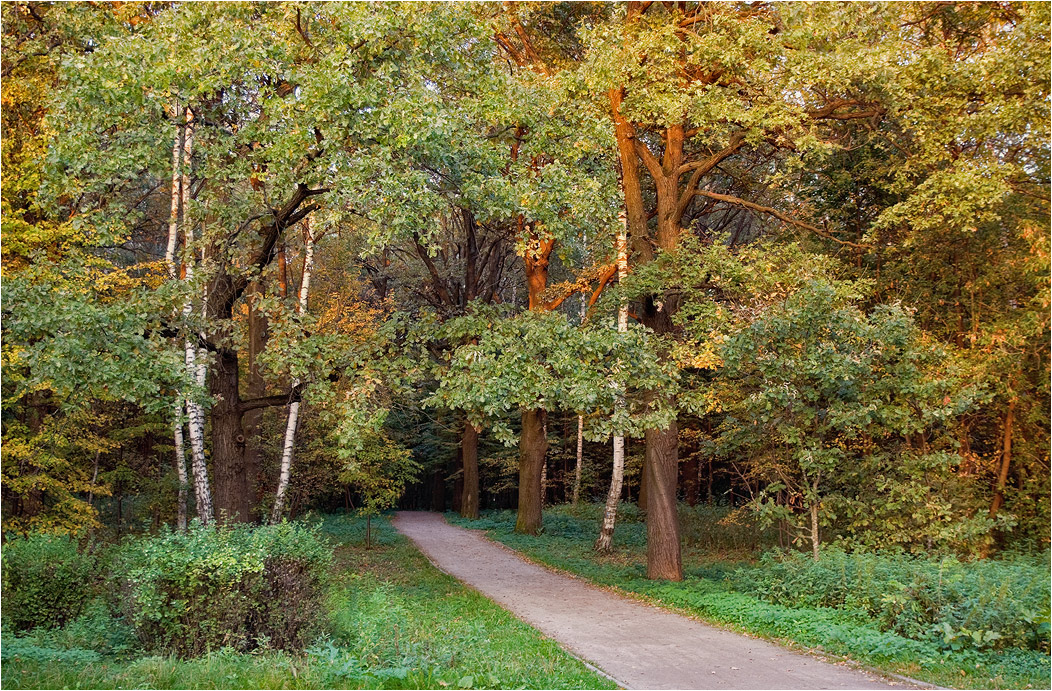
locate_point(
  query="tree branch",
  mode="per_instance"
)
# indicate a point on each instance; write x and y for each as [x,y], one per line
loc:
[702,168]
[779,215]
[293,395]
[647,156]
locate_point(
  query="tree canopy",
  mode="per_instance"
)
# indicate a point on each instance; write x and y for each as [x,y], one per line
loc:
[404,218]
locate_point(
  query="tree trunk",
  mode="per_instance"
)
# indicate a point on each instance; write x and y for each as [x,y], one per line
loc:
[1006,461]
[255,387]
[533,442]
[233,502]
[294,407]
[814,531]
[180,468]
[173,274]
[606,533]
[533,447]
[641,498]
[580,460]
[194,369]
[438,491]
[691,479]
[661,469]
[469,451]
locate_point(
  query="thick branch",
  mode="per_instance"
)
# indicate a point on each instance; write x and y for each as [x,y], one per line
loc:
[436,278]
[292,395]
[649,159]
[702,168]
[289,214]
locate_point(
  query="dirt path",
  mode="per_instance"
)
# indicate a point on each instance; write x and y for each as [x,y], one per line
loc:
[637,645]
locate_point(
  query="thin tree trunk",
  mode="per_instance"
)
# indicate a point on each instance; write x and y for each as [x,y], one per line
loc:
[580,418]
[814,530]
[294,407]
[173,273]
[606,533]
[193,368]
[1002,475]
[94,479]
[544,482]
[180,468]
[580,460]
[469,447]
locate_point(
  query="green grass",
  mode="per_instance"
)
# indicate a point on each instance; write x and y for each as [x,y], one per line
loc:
[716,588]
[395,622]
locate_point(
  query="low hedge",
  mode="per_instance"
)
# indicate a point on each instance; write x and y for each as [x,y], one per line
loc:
[47,580]
[242,587]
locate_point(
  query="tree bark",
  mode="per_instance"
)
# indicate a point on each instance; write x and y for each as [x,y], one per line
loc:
[195,369]
[533,447]
[294,407]
[1006,461]
[469,451]
[580,460]
[180,468]
[533,442]
[692,479]
[606,533]
[255,387]
[173,274]
[438,491]
[233,502]
[661,469]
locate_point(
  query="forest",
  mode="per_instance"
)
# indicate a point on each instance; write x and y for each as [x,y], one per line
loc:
[737,307]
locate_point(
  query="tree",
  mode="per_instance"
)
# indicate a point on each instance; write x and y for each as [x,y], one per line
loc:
[817,392]
[379,470]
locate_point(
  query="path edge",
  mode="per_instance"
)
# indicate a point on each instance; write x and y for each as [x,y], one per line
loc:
[821,656]
[562,646]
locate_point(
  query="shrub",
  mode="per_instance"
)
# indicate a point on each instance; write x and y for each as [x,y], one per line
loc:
[47,580]
[981,604]
[239,587]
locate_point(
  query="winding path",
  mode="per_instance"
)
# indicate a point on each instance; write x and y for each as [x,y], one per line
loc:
[637,645]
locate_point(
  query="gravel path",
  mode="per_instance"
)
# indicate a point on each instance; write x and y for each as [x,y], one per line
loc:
[639,646]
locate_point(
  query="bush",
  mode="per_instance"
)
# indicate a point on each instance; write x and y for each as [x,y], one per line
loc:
[981,604]
[241,587]
[47,580]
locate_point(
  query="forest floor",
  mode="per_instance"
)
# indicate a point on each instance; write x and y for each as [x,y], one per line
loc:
[638,645]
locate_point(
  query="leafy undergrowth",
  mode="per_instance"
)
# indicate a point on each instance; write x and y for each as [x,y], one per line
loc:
[852,606]
[394,622]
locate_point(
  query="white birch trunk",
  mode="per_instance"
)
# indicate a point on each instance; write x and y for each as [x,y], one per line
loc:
[294,407]
[173,273]
[580,459]
[580,418]
[606,533]
[196,420]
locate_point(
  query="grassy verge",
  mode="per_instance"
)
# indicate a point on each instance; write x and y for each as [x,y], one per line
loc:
[712,590]
[396,622]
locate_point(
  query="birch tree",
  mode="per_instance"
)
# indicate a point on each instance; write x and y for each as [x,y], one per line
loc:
[294,407]
[606,532]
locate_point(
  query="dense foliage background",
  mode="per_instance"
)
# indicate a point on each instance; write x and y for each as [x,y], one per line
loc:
[260,259]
